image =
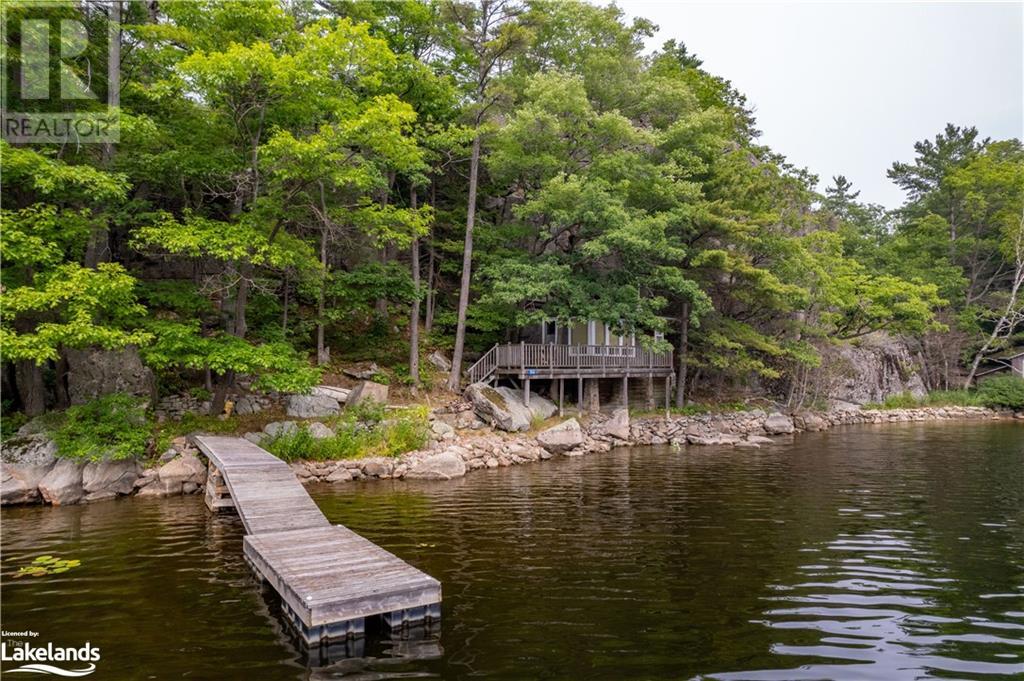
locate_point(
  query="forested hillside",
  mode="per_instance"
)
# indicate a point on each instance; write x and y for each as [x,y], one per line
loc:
[307,183]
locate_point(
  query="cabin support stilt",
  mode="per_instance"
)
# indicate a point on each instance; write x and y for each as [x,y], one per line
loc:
[579,392]
[625,392]
[561,395]
[526,392]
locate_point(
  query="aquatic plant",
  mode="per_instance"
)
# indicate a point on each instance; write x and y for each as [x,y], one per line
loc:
[47,565]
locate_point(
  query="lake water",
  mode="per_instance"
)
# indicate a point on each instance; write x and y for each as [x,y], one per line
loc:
[892,552]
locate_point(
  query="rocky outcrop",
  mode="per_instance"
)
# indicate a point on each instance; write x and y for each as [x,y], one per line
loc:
[441,466]
[312,406]
[504,408]
[62,484]
[562,437]
[276,428]
[109,479]
[778,424]
[615,427]
[319,431]
[876,367]
[24,462]
[182,475]
[368,391]
[92,373]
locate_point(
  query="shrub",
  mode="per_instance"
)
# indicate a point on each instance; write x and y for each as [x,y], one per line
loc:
[361,431]
[111,427]
[1002,392]
[952,398]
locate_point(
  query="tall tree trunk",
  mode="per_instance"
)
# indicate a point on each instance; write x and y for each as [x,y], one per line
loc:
[284,306]
[454,378]
[321,351]
[414,314]
[428,319]
[684,340]
[31,389]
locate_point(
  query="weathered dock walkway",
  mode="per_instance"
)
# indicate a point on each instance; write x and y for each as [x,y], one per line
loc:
[329,578]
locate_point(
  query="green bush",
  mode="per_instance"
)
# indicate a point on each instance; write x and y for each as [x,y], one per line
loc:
[952,398]
[362,431]
[1002,392]
[111,427]
[902,401]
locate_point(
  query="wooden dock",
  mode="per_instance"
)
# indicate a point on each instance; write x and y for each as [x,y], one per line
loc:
[329,578]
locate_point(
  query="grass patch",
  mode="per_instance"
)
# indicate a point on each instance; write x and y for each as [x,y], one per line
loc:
[111,427]
[359,432]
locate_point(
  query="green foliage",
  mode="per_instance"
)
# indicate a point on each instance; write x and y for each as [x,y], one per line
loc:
[358,433]
[112,427]
[1002,392]
[43,566]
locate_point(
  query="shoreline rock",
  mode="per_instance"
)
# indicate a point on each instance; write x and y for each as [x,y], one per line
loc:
[31,473]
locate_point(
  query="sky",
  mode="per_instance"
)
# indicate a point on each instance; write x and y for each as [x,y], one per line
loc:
[847,88]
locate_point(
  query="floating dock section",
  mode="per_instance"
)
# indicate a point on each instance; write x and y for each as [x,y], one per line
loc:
[329,578]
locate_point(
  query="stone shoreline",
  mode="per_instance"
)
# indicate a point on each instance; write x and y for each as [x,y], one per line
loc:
[44,478]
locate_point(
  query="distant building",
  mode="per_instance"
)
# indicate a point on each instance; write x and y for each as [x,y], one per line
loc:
[1012,360]
[585,362]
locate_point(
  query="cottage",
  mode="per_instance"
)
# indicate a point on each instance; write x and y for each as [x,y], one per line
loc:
[583,361]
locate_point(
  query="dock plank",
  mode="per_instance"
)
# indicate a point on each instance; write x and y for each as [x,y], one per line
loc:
[326,574]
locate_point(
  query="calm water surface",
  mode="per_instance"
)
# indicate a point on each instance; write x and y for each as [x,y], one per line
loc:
[891,553]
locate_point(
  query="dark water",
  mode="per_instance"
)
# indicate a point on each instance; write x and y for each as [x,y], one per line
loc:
[866,553]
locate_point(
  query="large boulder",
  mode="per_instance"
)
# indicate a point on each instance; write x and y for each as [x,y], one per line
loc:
[63,484]
[319,431]
[185,470]
[368,391]
[441,466]
[617,426]
[108,479]
[92,373]
[541,407]
[808,420]
[440,361]
[501,407]
[24,462]
[778,424]
[562,437]
[312,406]
[247,404]
[334,392]
[275,428]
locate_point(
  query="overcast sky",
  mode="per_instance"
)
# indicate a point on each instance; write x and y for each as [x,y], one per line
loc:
[847,88]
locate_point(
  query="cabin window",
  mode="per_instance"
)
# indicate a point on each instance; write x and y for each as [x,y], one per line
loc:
[550,332]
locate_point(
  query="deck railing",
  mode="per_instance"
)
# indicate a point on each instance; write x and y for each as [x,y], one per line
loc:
[526,358]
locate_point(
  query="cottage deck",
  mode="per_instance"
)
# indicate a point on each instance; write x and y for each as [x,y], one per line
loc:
[329,578]
[551,360]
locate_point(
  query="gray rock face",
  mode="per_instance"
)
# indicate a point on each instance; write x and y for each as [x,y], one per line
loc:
[108,479]
[879,366]
[63,484]
[439,361]
[541,407]
[276,428]
[186,468]
[25,461]
[319,430]
[501,407]
[808,420]
[339,394]
[562,437]
[778,424]
[255,438]
[617,426]
[441,466]
[92,373]
[368,391]
[247,404]
[312,406]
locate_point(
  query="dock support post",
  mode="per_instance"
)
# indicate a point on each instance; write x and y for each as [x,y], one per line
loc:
[561,395]
[526,392]
[579,393]
[668,389]
[625,392]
